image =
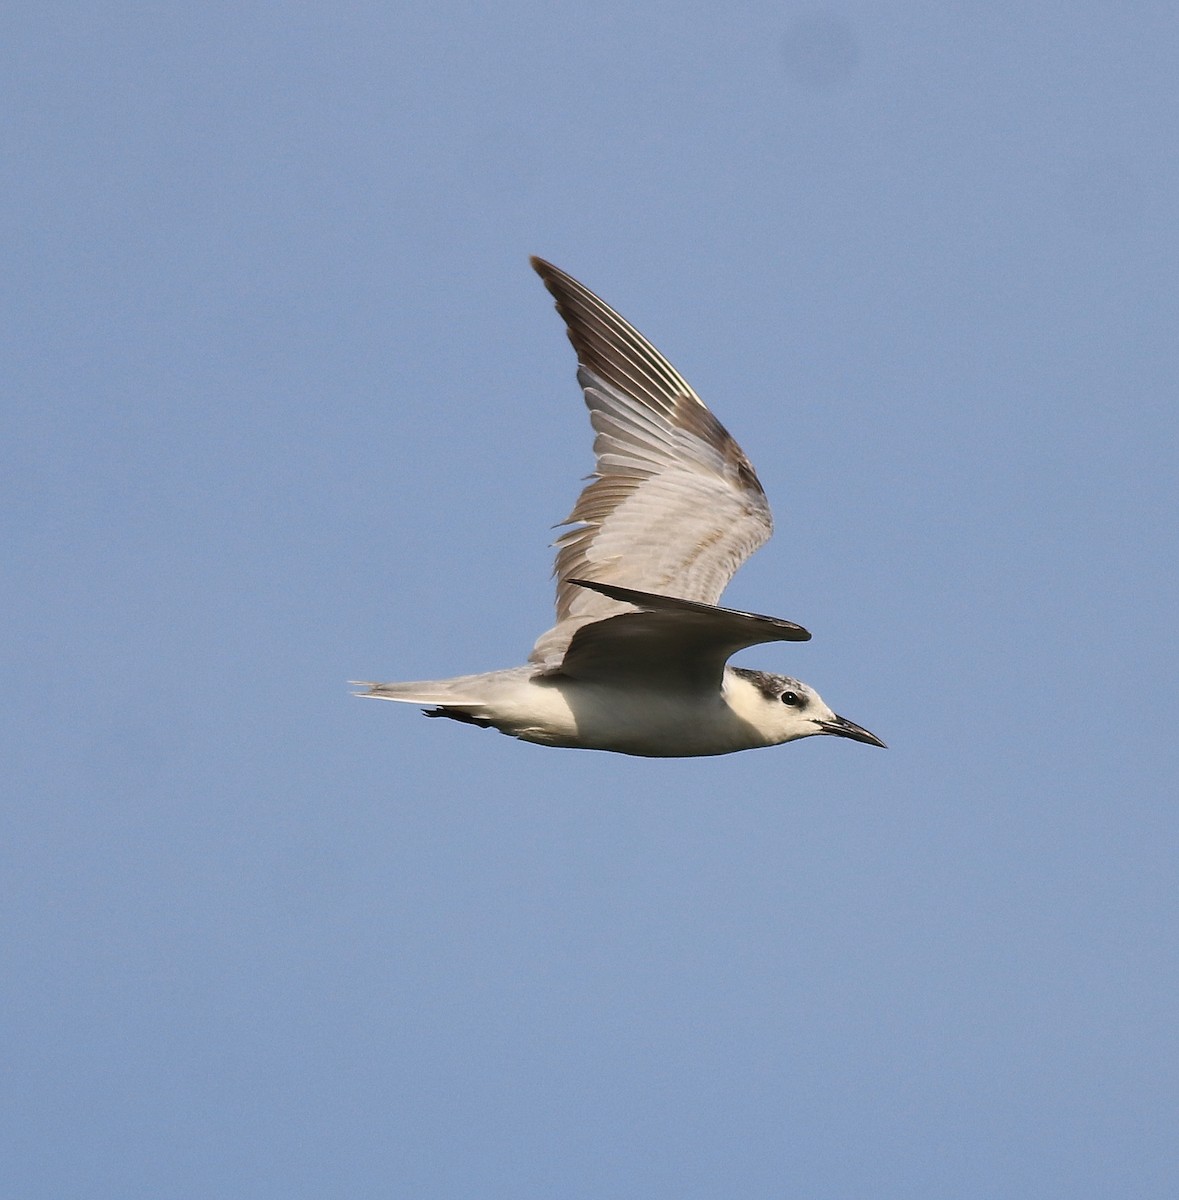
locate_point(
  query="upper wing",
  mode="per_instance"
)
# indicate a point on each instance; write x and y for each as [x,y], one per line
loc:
[674,506]
[669,642]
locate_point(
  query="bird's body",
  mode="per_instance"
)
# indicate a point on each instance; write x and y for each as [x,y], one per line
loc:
[637,661]
[555,710]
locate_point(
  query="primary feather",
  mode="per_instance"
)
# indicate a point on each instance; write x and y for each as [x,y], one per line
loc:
[674,506]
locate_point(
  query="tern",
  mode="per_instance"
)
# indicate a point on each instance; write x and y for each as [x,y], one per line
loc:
[637,662]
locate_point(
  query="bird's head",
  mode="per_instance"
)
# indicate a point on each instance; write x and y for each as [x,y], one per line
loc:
[785,709]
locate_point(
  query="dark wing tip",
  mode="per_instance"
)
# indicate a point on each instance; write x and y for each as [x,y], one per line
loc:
[545,269]
[569,294]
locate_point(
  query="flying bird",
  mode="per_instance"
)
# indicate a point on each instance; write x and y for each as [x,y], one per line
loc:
[637,662]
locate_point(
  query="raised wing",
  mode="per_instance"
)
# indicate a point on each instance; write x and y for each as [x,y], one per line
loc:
[678,644]
[674,506]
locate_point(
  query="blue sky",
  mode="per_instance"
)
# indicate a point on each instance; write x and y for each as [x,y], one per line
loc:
[285,406]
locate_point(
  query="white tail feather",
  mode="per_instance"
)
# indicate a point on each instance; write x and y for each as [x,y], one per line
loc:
[428,691]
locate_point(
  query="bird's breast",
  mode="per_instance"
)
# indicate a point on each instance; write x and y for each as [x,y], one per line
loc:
[651,723]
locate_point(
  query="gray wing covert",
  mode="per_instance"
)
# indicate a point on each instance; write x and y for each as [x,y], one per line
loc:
[668,642]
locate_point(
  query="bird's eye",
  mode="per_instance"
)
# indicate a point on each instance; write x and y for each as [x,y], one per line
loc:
[791,698]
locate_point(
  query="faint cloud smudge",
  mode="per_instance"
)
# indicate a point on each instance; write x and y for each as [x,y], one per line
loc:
[820,51]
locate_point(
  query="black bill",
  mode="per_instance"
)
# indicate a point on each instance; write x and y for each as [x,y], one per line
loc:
[842,727]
